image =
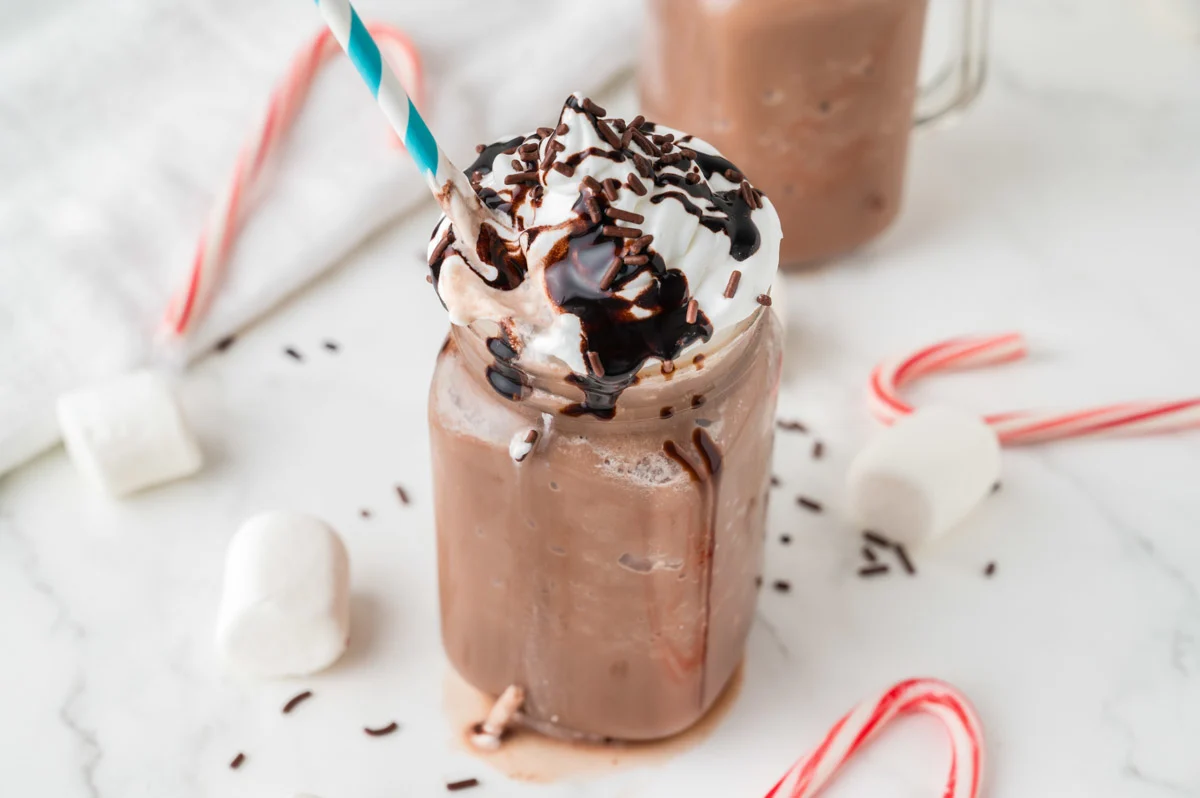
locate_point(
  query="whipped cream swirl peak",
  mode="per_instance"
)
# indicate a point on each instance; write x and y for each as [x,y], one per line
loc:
[627,244]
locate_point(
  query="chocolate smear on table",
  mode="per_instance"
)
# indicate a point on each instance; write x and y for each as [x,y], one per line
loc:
[237,761]
[296,701]
[464,784]
[383,731]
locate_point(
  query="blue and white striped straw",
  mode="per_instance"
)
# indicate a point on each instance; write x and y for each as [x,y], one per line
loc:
[352,35]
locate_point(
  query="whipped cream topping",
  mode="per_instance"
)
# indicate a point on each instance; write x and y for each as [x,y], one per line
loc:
[615,246]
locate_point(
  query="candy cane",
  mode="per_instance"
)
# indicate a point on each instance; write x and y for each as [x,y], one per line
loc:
[1025,426]
[813,771]
[189,303]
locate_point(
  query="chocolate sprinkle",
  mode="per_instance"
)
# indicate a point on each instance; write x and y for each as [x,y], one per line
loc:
[383,731]
[691,178]
[225,343]
[996,486]
[775,483]
[611,187]
[237,761]
[731,287]
[592,108]
[637,260]
[782,586]
[643,166]
[809,504]
[293,354]
[531,436]
[734,176]
[818,450]
[592,183]
[607,133]
[636,186]
[876,538]
[905,563]
[869,554]
[693,311]
[764,300]
[521,177]
[625,232]
[331,346]
[300,698]
[668,366]
[562,129]
[545,132]
[624,216]
[873,570]
[610,274]
[402,493]
[564,169]
[642,243]
[594,361]
[593,210]
[785,539]
[365,513]
[790,426]
[990,569]
[465,784]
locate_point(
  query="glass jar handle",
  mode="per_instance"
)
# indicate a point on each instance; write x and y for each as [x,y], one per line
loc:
[959,81]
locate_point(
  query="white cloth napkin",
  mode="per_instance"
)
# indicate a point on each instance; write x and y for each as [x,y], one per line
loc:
[119,122]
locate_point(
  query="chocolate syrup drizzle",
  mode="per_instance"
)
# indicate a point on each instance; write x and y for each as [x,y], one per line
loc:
[617,341]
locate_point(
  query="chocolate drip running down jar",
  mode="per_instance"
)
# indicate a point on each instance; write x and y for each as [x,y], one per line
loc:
[601,422]
[814,99]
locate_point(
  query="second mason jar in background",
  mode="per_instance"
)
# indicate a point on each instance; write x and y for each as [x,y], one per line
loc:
[813,99]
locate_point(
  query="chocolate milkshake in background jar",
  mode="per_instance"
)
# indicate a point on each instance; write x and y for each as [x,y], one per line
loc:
[601,424]
[814,99]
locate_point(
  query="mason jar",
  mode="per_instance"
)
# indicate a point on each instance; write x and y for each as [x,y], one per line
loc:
[610,567]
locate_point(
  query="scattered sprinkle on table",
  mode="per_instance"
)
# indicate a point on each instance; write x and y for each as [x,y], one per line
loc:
[237,761]
[905,563]
[775,483]
[873,570]
[332,346]
[465,784]
[402,493]
[818,450]
[790,426]
[996,486]
[785,539]
[876,538]
[293,354]
[869,554]
[990,569]
[782,586]
[365,513]
[383,731]
[809,504]
[296,701]
[225,343]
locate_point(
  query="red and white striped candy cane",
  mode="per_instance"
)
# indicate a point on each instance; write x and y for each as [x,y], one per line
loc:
[192,299]
[813,771]
[1024,426]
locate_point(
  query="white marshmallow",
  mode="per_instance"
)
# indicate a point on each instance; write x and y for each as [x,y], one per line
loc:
[128,433]
[285,607]
[924,474]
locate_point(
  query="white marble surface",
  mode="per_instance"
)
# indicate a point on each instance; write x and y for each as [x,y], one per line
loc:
[1065,205]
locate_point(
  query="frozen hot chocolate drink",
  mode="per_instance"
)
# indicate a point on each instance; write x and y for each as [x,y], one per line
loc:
[601,419]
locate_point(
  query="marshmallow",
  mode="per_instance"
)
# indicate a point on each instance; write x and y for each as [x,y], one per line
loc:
[128,434]
[924,474]
[285,607]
